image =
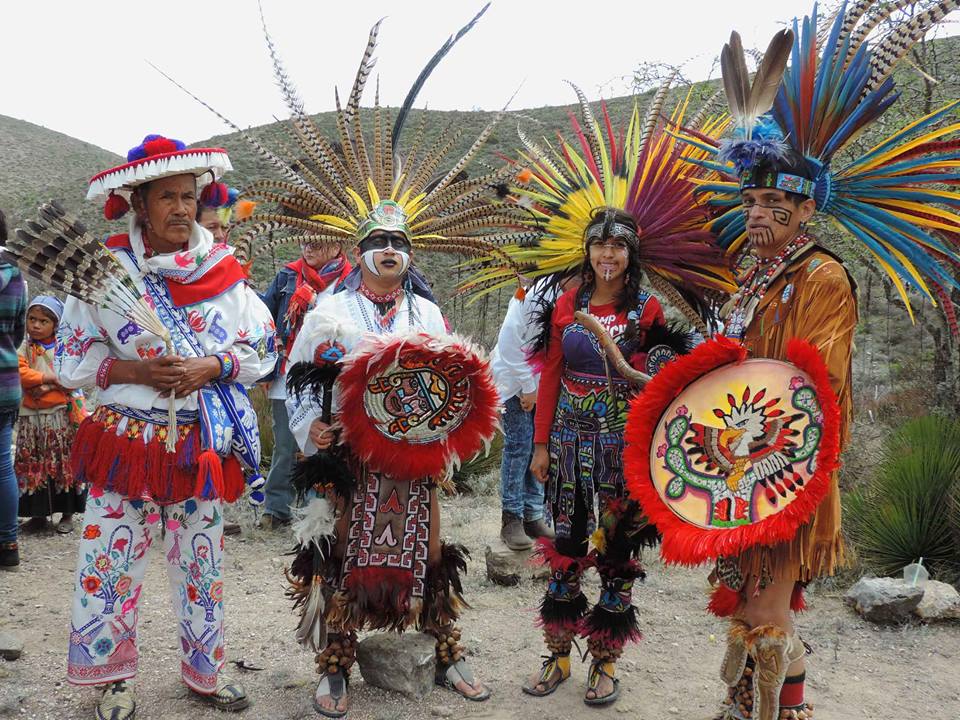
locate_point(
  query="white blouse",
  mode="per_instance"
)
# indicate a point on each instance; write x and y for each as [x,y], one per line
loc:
[235,321]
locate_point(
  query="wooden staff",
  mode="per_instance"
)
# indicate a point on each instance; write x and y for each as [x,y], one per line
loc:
[610,349]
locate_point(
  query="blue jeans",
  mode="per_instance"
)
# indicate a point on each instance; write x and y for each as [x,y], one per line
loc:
[279,488]
[520,493]
[9,490]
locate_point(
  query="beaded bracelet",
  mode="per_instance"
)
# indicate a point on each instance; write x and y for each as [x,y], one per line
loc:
[103,372]
[229,367]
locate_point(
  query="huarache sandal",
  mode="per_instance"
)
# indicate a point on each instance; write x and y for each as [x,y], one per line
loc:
[117,702]
[556,669]
[598,669]
[456,672]
[229,696]
[335,686]
[65,526]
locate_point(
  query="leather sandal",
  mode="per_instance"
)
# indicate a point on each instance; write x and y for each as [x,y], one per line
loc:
[455,672]
[229,696]
[335,686]
[117,703]
[593,681]
[551,675]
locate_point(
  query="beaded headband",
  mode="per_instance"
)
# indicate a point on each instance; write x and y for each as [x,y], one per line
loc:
[753,178]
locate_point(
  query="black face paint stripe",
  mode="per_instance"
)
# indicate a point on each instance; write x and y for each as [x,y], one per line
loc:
[782,216]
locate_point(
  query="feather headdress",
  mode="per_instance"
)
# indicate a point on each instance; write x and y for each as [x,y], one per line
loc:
[57,250]
[330,187]
[641,170]
[899,199]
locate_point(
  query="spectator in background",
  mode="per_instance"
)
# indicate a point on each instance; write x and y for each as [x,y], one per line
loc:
[46,430]
[13,312]
[521,496]
[293,292]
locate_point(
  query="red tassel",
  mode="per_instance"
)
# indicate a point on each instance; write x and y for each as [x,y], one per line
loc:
[233,483]
[159,146]
[115,207]
[724,602]
[209,476]
[798,602]
[215,195]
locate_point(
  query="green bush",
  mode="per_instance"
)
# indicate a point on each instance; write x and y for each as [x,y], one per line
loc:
[908,509]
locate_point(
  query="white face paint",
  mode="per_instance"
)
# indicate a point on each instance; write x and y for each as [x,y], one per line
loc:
[368,260]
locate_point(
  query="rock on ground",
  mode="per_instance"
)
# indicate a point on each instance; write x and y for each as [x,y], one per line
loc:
[404,663]
[508,567]
[10,646]
[884,600]
[940,601]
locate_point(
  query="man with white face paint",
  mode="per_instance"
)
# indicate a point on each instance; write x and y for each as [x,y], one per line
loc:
[387,300]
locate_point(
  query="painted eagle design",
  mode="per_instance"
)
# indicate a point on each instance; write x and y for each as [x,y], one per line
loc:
[755,435]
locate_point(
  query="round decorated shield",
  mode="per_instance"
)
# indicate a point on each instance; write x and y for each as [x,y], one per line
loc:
[413,406]
[725,452]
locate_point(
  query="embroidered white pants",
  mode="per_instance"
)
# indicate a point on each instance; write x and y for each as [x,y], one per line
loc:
[114,550]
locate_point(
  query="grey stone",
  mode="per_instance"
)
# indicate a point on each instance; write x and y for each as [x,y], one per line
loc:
[884,600]
[508,567]
[442,712]
[11,646]
[940,601]
[403,663]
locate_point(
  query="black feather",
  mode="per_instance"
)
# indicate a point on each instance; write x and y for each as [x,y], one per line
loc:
[424,74]
[330,466]
[308,376]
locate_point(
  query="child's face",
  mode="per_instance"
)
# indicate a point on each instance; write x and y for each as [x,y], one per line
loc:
[40,326]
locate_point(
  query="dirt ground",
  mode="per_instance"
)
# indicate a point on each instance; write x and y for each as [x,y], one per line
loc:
[858,672]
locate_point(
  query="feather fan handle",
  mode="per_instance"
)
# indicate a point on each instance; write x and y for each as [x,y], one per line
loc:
[431,65]
[363,72]
[656,106]
[898,43]
[57,250]
[671,295]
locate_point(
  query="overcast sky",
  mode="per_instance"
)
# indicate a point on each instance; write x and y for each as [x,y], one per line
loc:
[80,66]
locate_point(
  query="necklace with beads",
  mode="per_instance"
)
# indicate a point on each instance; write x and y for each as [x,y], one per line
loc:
[386,307]
[747,299]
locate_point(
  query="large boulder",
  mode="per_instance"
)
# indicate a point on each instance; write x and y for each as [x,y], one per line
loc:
[884,600]
[403,663]
[509,567]
[940,601]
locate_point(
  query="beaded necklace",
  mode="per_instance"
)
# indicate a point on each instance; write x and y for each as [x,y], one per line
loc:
[386,307]
[747,299]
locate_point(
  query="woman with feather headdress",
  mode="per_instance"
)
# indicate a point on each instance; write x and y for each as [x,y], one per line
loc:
[779,172]
[617,211]
[142,466]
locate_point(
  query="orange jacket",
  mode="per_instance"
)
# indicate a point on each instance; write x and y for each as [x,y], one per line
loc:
[31,378]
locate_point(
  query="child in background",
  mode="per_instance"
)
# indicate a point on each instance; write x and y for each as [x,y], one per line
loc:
[44,431]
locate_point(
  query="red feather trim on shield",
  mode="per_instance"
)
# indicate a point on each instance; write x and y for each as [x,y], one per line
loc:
[688,544]
[414,406]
